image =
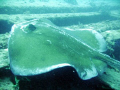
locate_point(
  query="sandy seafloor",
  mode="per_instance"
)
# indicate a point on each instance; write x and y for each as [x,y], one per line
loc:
[103,17]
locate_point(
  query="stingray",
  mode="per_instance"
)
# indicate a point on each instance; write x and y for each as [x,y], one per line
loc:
[38,46]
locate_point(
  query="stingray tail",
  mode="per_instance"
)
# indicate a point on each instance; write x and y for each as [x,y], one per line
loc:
[111,62]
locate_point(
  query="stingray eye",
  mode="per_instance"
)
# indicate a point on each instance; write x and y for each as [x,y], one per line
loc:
[28,28]
[31,27]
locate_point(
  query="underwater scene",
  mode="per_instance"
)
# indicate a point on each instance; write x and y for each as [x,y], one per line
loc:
[59,44]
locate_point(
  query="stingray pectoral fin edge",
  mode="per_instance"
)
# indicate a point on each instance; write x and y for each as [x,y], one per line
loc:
[84,74]
[29,72]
